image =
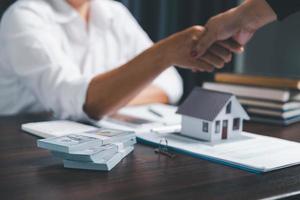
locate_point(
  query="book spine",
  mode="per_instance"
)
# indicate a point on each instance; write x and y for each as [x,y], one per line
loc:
[250,92]
[257,81]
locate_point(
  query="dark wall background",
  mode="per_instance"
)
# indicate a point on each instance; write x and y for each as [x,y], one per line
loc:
[4,4]
[161,18]
[275,50]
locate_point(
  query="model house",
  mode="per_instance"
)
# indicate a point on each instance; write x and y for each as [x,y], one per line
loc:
[212,116]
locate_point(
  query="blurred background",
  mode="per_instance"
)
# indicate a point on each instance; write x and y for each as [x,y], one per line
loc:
[275,49]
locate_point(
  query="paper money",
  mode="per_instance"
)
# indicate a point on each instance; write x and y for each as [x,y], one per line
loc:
[69,143]
[90,154]
[110,135]
[105,164]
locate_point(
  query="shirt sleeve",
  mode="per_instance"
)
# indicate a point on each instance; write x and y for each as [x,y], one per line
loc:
[38,62]
[138,40]
[284,8]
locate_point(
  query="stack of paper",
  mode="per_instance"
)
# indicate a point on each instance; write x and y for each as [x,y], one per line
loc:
[95,150]
[144,118]
[56,128]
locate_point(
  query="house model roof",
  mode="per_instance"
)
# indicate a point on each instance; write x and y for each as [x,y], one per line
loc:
[204,104]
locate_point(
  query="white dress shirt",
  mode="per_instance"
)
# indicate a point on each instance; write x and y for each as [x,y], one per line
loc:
[48,55]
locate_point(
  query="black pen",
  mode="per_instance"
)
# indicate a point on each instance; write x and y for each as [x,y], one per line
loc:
[155,112]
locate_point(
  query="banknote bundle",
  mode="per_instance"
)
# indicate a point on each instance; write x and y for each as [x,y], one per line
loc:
[100,149]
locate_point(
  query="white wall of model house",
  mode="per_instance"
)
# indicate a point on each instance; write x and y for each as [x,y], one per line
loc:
[194,127]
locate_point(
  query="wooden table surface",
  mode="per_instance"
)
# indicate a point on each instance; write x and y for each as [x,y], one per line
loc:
[27,172]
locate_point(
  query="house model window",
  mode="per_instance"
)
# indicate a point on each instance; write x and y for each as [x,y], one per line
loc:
[205,127]
[236,124]
[228,108]
[218,127]
[212,116]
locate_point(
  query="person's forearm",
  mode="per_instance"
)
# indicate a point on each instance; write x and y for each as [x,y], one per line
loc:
[151,94]
[110,91]
[256,13]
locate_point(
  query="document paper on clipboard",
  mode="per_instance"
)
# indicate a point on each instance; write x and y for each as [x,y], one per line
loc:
[251,152]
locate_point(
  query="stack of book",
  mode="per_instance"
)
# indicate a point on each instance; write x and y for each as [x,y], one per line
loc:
[266,99]
[99,150]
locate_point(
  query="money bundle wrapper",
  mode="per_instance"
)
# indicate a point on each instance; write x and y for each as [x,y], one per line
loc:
[101,149]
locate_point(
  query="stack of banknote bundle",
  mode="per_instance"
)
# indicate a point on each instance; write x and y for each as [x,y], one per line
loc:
[100,149]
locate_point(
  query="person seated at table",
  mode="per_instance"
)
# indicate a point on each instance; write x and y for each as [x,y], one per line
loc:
[83,58]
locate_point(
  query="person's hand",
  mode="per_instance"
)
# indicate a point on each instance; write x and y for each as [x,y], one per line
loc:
[239,23]
[178,47]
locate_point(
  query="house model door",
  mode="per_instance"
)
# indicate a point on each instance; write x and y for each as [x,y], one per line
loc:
[225,130]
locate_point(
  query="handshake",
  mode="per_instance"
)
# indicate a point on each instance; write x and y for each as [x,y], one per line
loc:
[204,49]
